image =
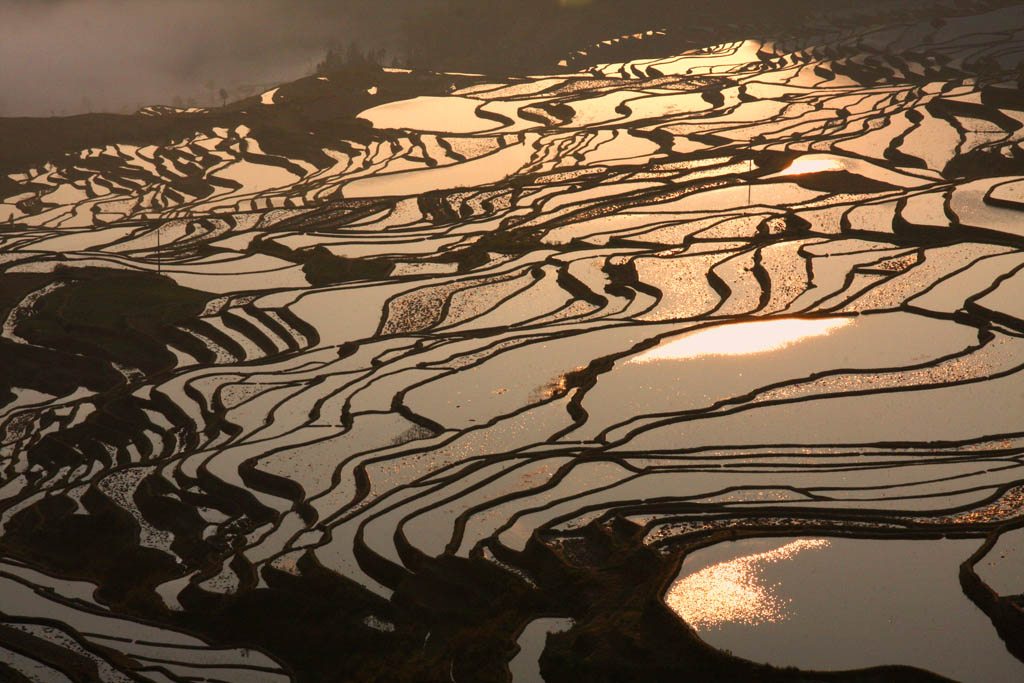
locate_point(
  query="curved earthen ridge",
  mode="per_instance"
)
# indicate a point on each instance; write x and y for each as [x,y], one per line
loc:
[356,379]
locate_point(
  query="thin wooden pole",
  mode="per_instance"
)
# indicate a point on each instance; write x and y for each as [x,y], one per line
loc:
[750,169]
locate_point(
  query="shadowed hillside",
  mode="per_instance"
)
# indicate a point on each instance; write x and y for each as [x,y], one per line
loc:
[388,373]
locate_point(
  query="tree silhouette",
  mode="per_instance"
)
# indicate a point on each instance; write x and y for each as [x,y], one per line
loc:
[354,55]
[352,58]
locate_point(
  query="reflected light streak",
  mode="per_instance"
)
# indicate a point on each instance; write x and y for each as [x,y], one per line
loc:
[810,164]
[742,338]
[733,591]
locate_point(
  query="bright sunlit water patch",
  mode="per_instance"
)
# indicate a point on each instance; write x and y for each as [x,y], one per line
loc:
[268,97]
[742,338]
[733,591]
[811,164]
[849,604]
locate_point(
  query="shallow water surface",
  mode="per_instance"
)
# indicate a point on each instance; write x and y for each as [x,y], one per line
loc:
[407,362]
[525,667]
[842,603]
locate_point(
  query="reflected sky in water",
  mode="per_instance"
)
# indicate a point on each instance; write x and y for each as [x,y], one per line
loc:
[734,591]
[741,339]
[842,603]
[806,165]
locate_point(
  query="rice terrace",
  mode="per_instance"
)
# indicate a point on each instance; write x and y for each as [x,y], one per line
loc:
[686,353]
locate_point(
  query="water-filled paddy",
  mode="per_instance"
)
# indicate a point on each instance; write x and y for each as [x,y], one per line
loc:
[842,603]
[474,370]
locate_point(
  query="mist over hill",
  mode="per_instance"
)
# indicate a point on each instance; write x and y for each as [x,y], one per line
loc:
[64,57]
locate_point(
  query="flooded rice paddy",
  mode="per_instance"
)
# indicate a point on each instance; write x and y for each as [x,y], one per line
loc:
[697,363]
[842,603]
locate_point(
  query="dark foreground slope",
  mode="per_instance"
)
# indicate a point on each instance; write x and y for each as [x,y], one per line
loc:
[357,379]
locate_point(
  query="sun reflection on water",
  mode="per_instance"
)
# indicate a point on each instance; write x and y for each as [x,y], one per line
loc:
[741,338]
[811,164]
[733,591]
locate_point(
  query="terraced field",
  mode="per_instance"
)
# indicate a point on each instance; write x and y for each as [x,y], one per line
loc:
[292,394]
